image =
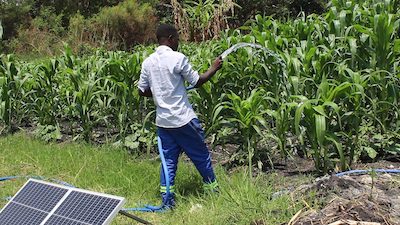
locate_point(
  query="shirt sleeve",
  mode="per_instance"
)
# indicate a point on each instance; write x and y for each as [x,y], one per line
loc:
[187,71]
[143,84]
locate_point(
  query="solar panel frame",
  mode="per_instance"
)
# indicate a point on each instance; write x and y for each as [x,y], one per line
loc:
[70,191]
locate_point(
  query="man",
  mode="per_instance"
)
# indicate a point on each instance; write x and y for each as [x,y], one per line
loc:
[162,77]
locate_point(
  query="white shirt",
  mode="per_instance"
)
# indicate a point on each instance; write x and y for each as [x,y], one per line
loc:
[164,72]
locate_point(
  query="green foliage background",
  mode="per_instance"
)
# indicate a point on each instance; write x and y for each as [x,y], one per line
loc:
[326,87]
[39,27]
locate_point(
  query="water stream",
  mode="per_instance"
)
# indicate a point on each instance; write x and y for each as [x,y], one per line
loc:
[252,45]
[237,46]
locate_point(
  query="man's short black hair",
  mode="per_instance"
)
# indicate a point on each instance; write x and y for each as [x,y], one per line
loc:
[165,31]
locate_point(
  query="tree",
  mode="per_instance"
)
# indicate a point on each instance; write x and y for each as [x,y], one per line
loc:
[67,8]
[13,14]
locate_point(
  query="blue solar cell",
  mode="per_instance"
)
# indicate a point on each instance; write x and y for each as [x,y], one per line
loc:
[88,208]
[57,220]
[39,201]
[15,214]
[40,196]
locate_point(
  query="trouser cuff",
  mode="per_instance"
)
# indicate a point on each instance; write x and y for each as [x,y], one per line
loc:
[213,186]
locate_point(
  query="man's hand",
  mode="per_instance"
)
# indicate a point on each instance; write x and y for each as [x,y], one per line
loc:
[210,72]
[217,64]
[146,93]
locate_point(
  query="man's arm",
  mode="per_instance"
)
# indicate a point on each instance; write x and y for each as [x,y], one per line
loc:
[146,93]
[143,84]
[210,72]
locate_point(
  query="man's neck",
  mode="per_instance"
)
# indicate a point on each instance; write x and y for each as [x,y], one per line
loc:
[165,44]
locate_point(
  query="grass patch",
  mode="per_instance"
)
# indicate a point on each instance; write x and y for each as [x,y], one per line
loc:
[114,171]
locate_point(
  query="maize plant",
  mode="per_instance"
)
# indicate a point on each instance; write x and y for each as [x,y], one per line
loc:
[45,96]
[248,116]
[9,84]
[327,84]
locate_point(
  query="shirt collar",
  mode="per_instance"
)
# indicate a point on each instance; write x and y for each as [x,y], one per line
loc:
[163,48]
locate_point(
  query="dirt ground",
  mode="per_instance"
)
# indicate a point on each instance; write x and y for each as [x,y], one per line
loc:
[357,199]
[364,199]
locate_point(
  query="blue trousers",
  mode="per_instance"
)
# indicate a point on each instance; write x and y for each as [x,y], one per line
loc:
[188,139]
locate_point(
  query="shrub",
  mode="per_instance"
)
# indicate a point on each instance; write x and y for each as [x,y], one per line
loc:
[13,14]
[202,20]
[125,24]
[42,37]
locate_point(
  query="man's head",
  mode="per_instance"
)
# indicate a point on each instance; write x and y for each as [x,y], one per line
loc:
[168,35]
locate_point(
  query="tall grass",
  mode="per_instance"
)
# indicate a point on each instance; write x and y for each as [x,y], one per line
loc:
[114,171]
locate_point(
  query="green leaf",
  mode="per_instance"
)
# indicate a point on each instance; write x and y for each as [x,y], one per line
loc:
[396,46]
[371,152]
[395,149]
[294,80]
[320,128]
[310,54]
[339,147]
[337,90]
[378,137]
[143,139]
[353,46]
[320,110]
[364,30]
[297,118]
[131,144]
[3,81]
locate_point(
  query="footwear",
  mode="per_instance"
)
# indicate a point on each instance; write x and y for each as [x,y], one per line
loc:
[168,200]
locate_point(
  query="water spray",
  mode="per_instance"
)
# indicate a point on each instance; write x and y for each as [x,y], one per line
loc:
[237,46]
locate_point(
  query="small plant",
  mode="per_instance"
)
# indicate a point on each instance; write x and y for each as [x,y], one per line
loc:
[48,133]
[373,174]
[139,139]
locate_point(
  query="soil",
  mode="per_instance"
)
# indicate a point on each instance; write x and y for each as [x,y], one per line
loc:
[364,199]
[350,199]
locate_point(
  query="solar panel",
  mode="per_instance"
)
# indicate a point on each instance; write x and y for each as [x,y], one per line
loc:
[44,203]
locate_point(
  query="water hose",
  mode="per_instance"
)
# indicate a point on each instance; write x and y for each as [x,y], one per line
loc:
[350,172]
[162,207]
[37,178]
[146,208]
[359,172]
